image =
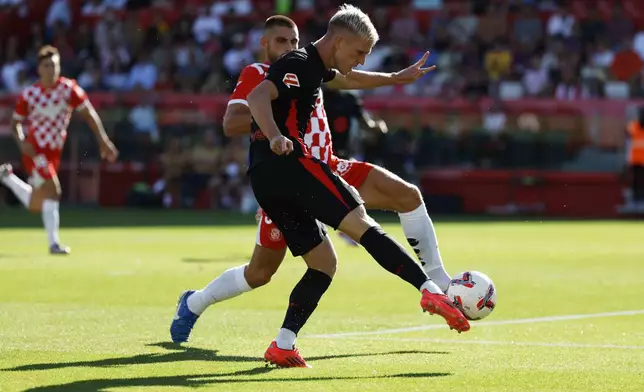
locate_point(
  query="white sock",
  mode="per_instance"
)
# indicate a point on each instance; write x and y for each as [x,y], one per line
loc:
[431,287]
[51,219]
[286,339]
[419,230]
[21,189]
[228,285]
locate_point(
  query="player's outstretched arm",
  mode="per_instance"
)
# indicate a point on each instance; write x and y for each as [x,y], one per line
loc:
[237,120]
[108,150]
[259,102]
[363,80]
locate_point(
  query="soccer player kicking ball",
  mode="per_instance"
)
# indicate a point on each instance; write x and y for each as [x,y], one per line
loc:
[46,107]
[296,188]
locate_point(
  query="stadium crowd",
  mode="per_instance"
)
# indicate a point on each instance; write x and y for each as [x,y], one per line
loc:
[487,48]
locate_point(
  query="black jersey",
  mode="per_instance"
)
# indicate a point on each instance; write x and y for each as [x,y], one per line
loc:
[298,76]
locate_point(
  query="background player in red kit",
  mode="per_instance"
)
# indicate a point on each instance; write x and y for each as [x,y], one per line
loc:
[46,108]
[378,187]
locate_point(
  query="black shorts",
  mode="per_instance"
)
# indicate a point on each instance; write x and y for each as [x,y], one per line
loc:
[297,194]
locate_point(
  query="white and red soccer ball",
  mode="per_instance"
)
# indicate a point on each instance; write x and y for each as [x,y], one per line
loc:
[473,293]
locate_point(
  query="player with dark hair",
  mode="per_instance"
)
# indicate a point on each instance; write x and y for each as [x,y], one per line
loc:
[46,108]
[376,183]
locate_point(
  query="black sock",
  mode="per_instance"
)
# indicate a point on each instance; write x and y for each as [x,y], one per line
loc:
[392,257]
[304,299]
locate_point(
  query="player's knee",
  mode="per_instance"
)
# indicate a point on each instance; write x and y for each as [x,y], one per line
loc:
[356,223]
[258,277]
[409,197]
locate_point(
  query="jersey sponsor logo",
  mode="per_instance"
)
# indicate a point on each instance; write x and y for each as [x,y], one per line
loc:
[291,80]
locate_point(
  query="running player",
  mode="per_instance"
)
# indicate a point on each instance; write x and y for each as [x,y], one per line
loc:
[271,249]
[46,108]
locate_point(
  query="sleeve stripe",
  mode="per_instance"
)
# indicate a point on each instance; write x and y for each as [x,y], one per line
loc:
[18,116]
[259,68]
[82,105]
[241,101]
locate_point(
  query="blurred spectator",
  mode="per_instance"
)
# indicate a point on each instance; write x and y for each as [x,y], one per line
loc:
[204,162]
[90,78]
[59,11]
[108,29]
[463,27]
[215,81]
[93,8]
[638,44]
[592,27]
[569,88]
[535,78]
[143,118]
[627,64]
[527,26]
[173,160]
[498,61]
[404,29]
[206,25]
[495,119]
[231,7]
[144,73]
[561,23]
[238,56]
[12,67]
[494,24]
[602,57]
[233,162]
[115,4]
[619,26]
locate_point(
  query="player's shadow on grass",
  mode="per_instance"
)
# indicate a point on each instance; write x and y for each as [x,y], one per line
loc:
[200,380]
[180,353]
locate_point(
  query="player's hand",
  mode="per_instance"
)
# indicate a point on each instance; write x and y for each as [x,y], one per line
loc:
[413,72]
[281,145]
[27,149]
[109,151]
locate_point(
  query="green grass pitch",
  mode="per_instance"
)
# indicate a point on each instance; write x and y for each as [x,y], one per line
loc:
[569,317]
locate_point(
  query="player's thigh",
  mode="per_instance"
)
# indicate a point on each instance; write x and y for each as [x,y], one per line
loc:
[301,231]
[322,258]
[323,194]
[385,190]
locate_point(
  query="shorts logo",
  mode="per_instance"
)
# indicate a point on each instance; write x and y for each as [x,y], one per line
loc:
[275,234]
[291,80]
[343,167]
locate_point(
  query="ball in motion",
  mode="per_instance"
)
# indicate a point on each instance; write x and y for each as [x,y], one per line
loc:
[473,293]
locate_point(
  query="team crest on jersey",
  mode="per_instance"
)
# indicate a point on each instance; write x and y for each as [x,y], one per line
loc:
[275,234]
[342,167]
[291,80]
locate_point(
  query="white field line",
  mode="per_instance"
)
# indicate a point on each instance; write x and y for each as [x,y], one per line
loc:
[498,343]
[547,319]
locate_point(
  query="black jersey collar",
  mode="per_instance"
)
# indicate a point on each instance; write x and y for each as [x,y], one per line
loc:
[313,52]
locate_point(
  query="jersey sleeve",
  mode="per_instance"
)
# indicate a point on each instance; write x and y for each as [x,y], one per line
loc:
[250,77]
[288,74]
[78,98]
[22,109]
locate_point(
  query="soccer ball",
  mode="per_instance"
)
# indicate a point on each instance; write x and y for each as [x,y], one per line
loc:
[473,293]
